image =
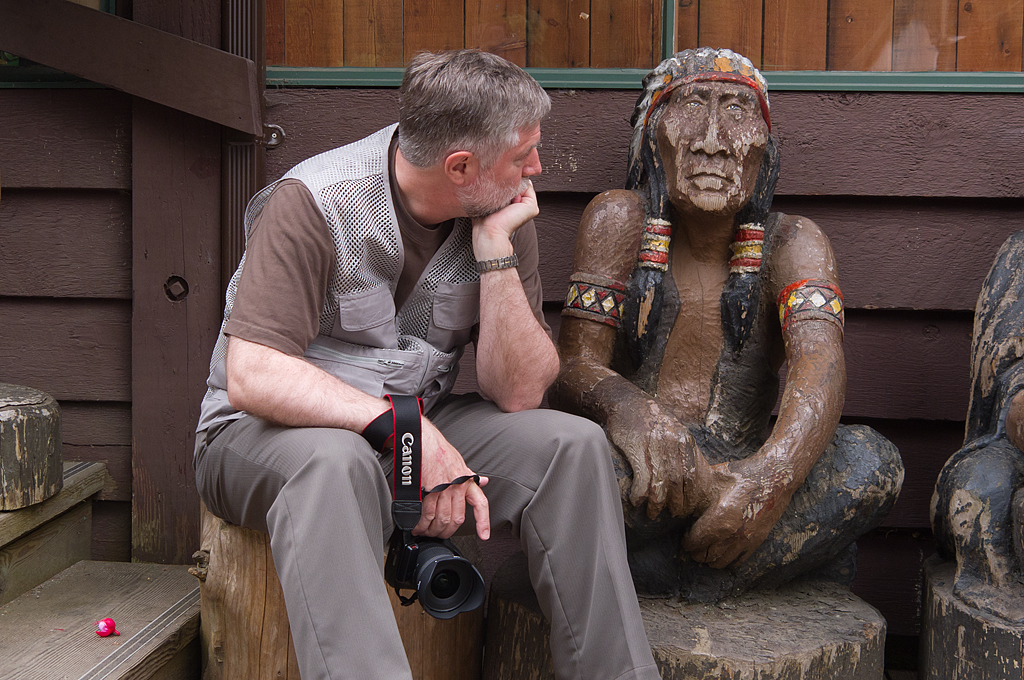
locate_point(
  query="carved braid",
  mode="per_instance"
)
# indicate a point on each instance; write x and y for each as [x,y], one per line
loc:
[654,246]
[746,249]
[811,299]
[595,297]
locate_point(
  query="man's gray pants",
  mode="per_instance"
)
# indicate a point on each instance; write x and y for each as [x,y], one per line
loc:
[324,498]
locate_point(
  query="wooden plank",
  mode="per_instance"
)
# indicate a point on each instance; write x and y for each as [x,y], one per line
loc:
[67,139]
[175,233]
[45,552]
[498,26]
[66,244]
[112,531]
[893,144]
[96,424]
[118,461]
[990,35]
[888,250]
[860,35]
[135,58]
[559,34]
[735,24]
[81,480]
[433,25]
[314,33]
[373,33]
[924,35]
[70,349]
[891,252]
[622,34]
[899,144]
[51,631]
[275,29]
[687,25]
[907,364]
[795,35]
[890,574]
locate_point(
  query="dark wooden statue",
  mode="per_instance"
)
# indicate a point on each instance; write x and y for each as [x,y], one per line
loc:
[978,506]
[687,298]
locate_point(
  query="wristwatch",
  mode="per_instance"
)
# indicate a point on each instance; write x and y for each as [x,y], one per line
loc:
[497,263]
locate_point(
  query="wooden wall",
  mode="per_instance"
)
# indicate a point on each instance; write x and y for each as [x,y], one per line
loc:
[66,277]
[916,193]
[859,35]
[548,33]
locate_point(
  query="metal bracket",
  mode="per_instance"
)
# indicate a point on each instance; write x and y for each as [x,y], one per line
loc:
[273,135]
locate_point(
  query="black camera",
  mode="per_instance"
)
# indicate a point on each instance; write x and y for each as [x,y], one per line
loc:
[445,582]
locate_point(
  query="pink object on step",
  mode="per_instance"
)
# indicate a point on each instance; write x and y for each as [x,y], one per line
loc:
[106,627]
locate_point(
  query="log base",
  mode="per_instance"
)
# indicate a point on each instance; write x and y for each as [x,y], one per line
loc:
[799,632]
[31,469]
[959,642]
[245,634]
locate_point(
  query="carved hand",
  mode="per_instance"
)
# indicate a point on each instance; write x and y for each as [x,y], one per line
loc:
[668,468]
[749,496]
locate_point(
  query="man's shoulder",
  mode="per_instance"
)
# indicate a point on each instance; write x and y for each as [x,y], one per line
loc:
[361,159]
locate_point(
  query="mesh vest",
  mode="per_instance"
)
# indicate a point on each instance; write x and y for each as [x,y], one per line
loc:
[363,339]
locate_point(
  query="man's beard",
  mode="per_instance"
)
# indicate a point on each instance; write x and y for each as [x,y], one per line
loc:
[487,196]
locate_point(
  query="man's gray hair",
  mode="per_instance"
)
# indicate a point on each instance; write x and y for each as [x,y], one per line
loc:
[465,100]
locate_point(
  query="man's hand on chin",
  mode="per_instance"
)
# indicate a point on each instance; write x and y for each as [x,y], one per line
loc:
[502,224]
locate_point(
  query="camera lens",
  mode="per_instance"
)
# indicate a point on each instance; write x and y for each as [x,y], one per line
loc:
[445,584]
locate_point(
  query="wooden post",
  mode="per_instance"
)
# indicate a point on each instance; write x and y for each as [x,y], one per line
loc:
[30,447]
[245,633]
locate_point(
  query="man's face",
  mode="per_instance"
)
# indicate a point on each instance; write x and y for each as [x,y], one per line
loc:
[497,185]
[712,138]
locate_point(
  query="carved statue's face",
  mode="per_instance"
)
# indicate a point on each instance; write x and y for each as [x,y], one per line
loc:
[712,138]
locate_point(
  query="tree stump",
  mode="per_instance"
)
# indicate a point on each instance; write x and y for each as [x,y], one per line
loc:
[959,642]
[798,632]
[245,635]
[31,469]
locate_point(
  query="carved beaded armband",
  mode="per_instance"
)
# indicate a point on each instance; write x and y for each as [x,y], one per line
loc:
[811,299]
[594,297]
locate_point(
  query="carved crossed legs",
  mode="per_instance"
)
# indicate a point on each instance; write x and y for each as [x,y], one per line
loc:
[848,492]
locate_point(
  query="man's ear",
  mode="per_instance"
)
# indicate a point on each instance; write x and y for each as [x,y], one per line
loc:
[461,167]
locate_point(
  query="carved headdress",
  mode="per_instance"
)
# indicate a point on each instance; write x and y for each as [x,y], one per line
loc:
[646,175]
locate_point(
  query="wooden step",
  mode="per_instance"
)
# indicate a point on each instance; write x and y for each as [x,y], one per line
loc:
[49,632]
[41,540]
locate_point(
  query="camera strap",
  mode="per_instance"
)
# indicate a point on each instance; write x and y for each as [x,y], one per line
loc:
[405,488]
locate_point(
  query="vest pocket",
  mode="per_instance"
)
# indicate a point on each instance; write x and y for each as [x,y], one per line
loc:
[366,318]
[456,309]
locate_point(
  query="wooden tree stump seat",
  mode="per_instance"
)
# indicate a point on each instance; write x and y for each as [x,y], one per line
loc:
[245,634]
[30,447]
[799,632]
[959,642]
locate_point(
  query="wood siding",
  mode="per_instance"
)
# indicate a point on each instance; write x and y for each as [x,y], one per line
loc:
[543,33]
[65,277]
[914,233]
[780,35]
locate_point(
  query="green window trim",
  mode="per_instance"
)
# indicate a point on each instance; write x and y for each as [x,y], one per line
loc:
[630,79]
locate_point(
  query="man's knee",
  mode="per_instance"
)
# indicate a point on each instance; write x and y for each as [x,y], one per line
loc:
[336,458]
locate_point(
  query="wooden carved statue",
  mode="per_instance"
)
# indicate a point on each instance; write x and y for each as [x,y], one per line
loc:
[978,506]
[687,298]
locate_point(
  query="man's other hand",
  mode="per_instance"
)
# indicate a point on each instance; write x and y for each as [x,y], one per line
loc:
[445,511]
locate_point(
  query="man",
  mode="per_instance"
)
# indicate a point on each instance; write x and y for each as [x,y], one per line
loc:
[367,269]
[686,299]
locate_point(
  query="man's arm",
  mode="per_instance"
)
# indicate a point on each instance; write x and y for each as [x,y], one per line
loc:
[754,492]
[290,391]
[515,359]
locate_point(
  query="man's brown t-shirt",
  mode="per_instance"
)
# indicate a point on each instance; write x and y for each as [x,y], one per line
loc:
[289,258]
